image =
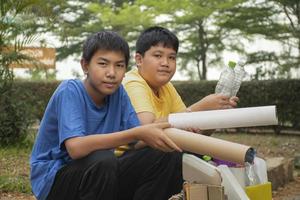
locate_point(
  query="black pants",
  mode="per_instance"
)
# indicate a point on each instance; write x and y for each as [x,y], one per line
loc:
[137,175]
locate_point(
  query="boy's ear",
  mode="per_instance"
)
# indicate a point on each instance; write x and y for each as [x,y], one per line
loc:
[84,66]
[138,59]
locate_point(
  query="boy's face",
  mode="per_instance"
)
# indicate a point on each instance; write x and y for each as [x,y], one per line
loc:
[157,66]
[105,72]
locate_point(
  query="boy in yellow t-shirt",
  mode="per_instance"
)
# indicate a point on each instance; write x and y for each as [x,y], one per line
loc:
[149,88]
[152,94]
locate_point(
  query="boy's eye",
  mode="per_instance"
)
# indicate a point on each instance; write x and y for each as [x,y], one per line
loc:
[157,55]
[102,63]
[172,57]
[121,65]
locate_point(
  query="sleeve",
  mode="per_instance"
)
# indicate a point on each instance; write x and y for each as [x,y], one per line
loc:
[140,96]
[178,105]
[69,114]
[129,117]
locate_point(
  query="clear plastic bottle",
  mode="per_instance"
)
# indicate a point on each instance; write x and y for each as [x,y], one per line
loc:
[240,73]
[226,80]
[251,175]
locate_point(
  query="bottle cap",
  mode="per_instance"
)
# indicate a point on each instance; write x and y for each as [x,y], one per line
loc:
[241,63]
[231,64]
[206,158]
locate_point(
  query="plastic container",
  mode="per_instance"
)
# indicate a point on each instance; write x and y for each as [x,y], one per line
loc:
[226,80]
[240,73]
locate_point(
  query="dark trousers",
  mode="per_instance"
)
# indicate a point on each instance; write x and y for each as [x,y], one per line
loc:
[137,175]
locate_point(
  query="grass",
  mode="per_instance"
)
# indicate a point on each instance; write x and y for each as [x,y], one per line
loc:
[14,168]
[14,160]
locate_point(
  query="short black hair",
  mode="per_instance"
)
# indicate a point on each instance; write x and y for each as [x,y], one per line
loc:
[156,35]
[105,40]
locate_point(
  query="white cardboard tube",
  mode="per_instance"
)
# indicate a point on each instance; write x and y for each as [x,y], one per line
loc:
[206,145]
[228,118]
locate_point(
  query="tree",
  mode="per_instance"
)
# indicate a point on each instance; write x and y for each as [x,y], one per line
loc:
[16,30]
[128,18]
[195,23]
[192,20]
[277,21]
[75,20]
[205,28]
[70,23]
[291,9]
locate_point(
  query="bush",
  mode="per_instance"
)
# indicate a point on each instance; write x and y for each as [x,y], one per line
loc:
[36,94]
[22,105]
[29,100]
[14,119]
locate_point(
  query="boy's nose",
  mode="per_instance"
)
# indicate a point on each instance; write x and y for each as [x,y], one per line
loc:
[165,61]
[111,72]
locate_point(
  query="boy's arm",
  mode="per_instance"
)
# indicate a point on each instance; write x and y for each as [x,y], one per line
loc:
[147,118]
[151,134]
[214,102]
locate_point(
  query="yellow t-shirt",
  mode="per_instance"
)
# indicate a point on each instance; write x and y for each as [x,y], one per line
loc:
[144,100]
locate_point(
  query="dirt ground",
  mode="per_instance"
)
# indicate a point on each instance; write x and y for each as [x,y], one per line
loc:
[15,196]
[267,145]
[291,191]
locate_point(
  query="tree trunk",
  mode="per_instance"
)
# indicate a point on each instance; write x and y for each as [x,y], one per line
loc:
[198,69]
[203,51]
[204,69]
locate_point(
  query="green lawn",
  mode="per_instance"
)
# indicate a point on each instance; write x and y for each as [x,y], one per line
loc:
[14,169]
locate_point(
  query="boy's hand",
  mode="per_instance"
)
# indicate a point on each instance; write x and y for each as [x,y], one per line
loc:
[233,101]
[154,136]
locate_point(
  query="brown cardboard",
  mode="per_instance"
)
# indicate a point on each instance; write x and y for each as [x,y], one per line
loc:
[195,191]
[206,145]
[215,192]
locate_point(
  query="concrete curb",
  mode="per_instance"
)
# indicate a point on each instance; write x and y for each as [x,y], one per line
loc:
[280,171]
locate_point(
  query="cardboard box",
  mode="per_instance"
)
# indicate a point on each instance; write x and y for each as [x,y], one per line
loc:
[194,191]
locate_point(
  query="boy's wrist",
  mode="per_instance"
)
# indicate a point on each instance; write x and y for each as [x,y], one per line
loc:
[188,109]
[135,133]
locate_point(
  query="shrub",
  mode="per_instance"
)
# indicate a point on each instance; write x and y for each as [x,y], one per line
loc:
[14,119]
[31,98]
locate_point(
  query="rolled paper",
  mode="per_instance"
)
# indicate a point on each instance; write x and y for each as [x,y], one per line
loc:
[228,118]
[206,145]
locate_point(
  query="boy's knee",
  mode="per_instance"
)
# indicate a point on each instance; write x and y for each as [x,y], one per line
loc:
[174,157]
[101,175]
[106,160]
[103,160]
